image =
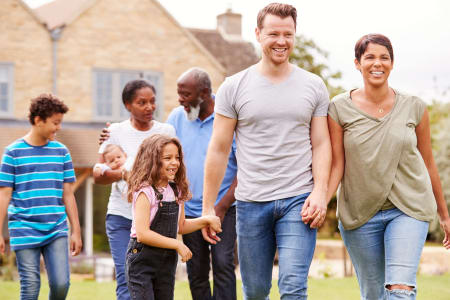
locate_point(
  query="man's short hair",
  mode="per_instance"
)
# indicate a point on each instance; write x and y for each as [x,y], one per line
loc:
[277,9]
[200,76]
[44,106]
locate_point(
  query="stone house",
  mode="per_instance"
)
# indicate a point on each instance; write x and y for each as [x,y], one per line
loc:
[84,51]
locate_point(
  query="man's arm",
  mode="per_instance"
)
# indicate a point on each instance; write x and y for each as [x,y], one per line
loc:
[315,207]
[216,165]
[227,200]
[72,214]
[5,197]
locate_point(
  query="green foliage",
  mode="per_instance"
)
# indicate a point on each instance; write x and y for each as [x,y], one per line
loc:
[305,56]
[100,242]
[440,133]
[7,266]
[101,198]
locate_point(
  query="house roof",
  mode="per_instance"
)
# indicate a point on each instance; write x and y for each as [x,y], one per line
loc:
[82,143]
[235,55]
[59,13]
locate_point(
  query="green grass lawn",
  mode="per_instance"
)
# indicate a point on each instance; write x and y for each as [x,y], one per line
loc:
[430,288]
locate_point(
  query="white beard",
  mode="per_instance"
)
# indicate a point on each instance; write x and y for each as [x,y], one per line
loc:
[194,111]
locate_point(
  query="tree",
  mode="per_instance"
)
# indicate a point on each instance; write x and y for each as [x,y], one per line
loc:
[304,55]
[440,133]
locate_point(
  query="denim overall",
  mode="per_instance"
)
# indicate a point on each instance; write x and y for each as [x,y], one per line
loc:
[151,270]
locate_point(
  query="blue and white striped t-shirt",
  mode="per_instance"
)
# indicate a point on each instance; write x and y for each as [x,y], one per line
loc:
[36,213]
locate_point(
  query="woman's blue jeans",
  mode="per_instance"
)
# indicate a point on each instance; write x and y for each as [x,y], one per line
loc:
[262,228]
[56,259]
[118,230]
[386,251]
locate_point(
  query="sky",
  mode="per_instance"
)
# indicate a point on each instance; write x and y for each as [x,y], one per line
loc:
[419,31]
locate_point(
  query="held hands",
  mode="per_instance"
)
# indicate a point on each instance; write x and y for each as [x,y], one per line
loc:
[445,225]
[104,135]
[210,232]
[214,223]
[75,244]
[314,210]
[184,252]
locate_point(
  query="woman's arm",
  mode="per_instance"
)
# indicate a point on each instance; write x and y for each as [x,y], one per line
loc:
[338,157]
[424,145]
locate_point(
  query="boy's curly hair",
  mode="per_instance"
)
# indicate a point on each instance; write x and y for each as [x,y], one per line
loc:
[44,106]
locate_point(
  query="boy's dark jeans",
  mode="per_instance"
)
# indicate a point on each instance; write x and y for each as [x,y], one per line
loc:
[222,262]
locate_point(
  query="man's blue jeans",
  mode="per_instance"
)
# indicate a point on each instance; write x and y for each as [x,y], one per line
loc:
[56,259]
[263,227]
[118,231]
[386,251]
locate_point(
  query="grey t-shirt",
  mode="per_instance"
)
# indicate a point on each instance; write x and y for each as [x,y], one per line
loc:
[273,131]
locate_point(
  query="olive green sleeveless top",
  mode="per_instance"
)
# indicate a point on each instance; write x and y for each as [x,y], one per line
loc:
[382,162]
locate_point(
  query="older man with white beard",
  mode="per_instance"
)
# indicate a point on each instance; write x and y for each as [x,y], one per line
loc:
[193,122]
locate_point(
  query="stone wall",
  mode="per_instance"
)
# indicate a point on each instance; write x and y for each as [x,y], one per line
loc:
[125,35]
[27,45]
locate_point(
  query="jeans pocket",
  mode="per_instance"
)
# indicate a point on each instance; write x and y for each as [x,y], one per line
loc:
[134,250]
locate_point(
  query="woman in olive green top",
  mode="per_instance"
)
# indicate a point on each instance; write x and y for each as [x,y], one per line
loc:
[389,184]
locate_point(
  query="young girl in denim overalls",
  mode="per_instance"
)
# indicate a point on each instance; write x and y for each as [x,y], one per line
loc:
[157,188]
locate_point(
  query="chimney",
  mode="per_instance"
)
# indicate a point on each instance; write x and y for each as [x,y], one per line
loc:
[229,24]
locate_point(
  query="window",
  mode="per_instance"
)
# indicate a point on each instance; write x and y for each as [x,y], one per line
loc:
[107,95]
[6,89]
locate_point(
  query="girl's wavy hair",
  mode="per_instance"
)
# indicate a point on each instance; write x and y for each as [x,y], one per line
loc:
[146,169]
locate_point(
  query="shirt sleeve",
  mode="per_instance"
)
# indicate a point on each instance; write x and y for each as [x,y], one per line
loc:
[103,167]
[7,170]
[419,107]
[323,100]
[332,112]
[171,130]
[224,102]
[69,173]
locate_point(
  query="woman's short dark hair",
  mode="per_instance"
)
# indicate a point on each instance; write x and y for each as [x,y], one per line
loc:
[44,106]
[374,38]
[129,91]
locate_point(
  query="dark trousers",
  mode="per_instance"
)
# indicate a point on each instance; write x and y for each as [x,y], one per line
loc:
[222,255]
[151,270]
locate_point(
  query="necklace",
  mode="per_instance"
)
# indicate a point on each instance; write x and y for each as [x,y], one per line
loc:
[380,110]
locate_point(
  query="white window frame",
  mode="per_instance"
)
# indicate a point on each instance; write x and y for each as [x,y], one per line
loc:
[10,81]
[155,78]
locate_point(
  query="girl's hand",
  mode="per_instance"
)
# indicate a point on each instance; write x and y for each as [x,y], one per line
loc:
[184,252]
[214,223]
[445,225]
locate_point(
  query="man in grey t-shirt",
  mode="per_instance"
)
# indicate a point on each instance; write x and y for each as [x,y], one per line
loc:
[278,113]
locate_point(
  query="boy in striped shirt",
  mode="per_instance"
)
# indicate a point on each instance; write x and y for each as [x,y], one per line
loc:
[36,176]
